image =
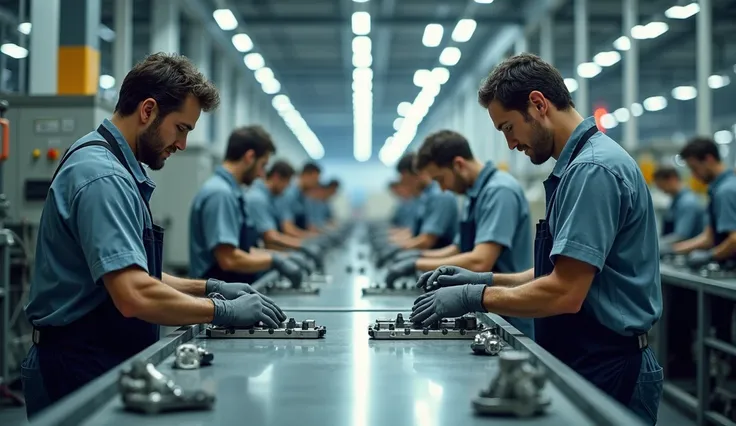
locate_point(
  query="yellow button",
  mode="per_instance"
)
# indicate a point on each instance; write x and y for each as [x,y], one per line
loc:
[36,153]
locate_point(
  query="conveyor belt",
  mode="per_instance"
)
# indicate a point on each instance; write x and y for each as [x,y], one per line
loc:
[345,378]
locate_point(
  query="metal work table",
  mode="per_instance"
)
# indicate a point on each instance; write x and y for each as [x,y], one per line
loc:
[343,379]
[706,289]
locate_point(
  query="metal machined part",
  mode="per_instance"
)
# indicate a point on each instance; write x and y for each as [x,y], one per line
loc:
[145,389]
[718,270]
[678,260]
[487,343]
[283,287]
[402,287]
[517,389]
[290,329]
[189,356]
[461,328]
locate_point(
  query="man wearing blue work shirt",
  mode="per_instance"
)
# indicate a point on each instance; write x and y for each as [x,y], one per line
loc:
[435,217]
[98,290]
[403,215]
[495,227]
[685,216]
[222,241]
[595,287]
[292,203]
[319,210]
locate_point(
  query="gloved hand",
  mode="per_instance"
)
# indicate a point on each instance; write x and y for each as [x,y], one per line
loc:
[244,311]
[232,291]
[407,254]
[447,276]
[288,269]
[386,254]
[300,259]
[398,270]
[313,252]
[699,258]
[447,302]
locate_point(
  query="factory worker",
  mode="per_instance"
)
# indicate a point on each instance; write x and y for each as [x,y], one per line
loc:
[98,290]
[292,203]
[403,215]
[495,228]
[222,235]
[685,216]
[595,288]
[436,214]
[318,208]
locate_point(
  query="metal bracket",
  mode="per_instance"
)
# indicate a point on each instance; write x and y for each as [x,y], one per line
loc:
[461,328]
[290,329]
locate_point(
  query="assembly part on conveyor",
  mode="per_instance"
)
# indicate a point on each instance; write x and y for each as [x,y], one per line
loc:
[461,328]
[290,329]
[189,356]
[487,343]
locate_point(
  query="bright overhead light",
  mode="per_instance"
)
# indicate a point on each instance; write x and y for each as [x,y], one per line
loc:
[263,75]
[403,109]
[440,75]
[682,12]
[655,103]
[484,1]
[225,19]
[464,30]
[622,115]
[649,31]
[24,28]
[242,42]
[422,77]
[718,81]
[636,109]
[362,75]
[622,43]
[432,35]
[450,56]
[362,60]
[397,123]
[106,33]
[360,1]
[684,93]
[588,69]
[607,59]
[723,137]
[14,51]
[254,61]
[608,121]
[271,86]
[361,23]
[362,44]
[282,103]
[107,81]
[571,84]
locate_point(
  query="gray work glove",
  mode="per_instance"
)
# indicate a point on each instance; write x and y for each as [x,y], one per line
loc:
[699,258]
[407,254]
[244,311]
[300,259]
[399,269]
[386,254]
[288,269]
[448,302]
[447,276]
[312,251]
[234,290]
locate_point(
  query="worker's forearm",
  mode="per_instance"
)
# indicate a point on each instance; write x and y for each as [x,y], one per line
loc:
[161,304]
[513,280]
[421,242]
[725,250]
[536,299]
[470,261]
[701,242]
[294,231]
[248,262]
[446,251]
[185,285]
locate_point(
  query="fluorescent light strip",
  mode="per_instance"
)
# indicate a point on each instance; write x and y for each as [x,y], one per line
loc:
[362,87]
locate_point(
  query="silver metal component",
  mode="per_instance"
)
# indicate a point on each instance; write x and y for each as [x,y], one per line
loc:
[679,260]
[189,356]
[487,343]
[516,390]
[718,270]
[461,328]
[283,287]
[143,388]
[402,287]
[289,329]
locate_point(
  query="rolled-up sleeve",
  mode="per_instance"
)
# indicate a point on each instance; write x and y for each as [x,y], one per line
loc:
[260,211]
[498,215]
[585,217]
[222,220]
[440,214]
[107,214]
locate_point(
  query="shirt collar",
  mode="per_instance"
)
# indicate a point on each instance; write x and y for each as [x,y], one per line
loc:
[227,176]
[135,167]
[566,154]
[487,169]
[719,180]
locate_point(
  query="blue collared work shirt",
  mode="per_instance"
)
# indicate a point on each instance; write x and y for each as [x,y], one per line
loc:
[318,212]
[261,206]
[92,224]
[291,204]
[438,211]
[217,216]
[404,213]
[688,214]
[603,215]
[501,216]
[722,192]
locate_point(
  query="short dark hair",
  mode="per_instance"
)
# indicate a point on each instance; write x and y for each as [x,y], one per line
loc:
[406,164]
[169,79]
[311,167]
[282,169]
[511,82]
[441,148]
[700,148]
[666,172]
[248,138]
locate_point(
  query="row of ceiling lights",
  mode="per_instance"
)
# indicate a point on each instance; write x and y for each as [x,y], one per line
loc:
[362,86]
[270,85]
[430,81]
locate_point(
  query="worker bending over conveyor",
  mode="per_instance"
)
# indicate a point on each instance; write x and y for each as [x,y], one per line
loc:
[595,289]
[403,215]
[222,235]
[319,210]
[97,289]
[435,216]
[495,227]
[291,204]
[685,217]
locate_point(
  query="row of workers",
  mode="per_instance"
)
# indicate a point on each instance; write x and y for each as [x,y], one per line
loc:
[98,292]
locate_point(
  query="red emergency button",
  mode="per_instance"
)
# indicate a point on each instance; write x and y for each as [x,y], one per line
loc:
[52,154]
